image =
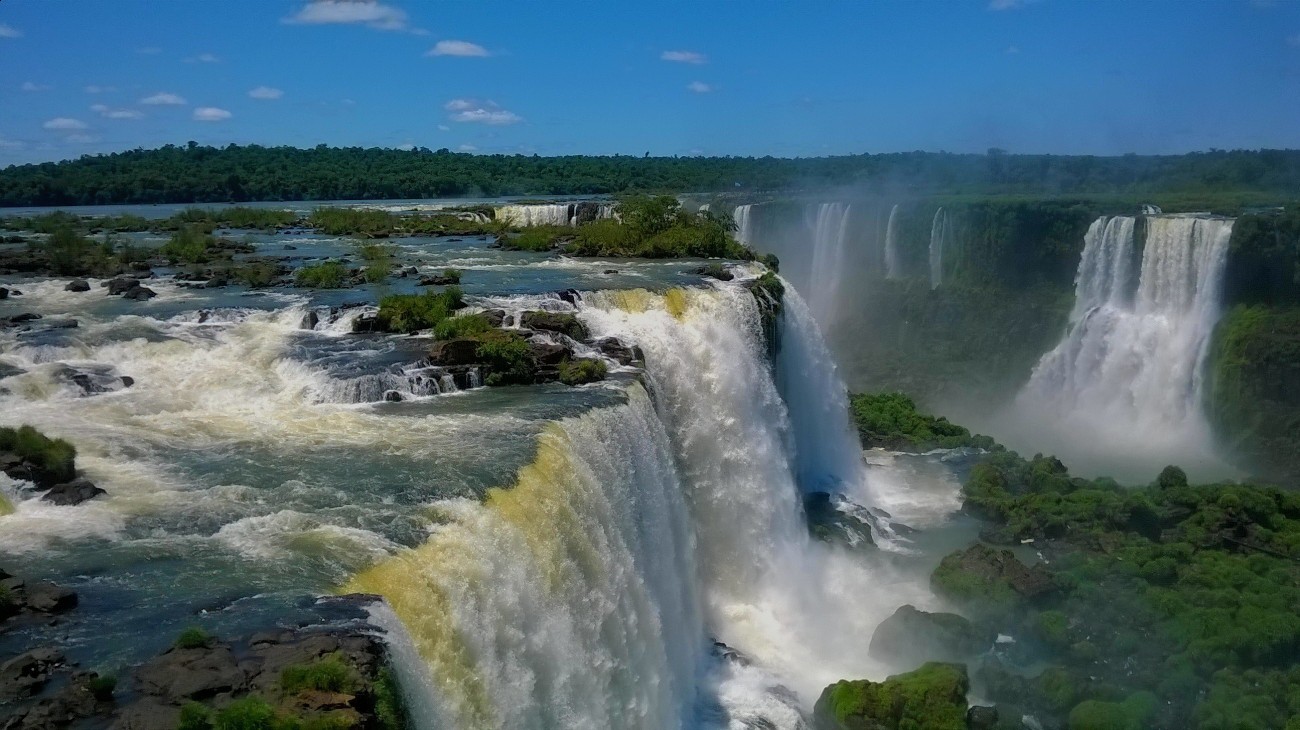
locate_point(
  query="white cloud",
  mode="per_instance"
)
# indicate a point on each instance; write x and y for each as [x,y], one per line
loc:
[110,113]
[93,89]
[11,144]
[405,147]
[163,98]
[369,13]
[203,58]
[482,112]
[211,114]
[31,86]
[64,124]
[467,148]
[459,105]
[444,128]
[8,31]
[463,49]
[266,93]
[699,87]
[684,57]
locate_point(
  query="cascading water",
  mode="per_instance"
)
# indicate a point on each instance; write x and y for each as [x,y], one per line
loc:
[938,232]
[557,214]
[830,234]
[892,264]
[1129,370]
[744,223]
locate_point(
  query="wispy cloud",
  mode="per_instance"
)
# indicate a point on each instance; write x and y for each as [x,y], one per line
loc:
[65,124]
[211,114]
[93,89]
[8,31]
[11,144]
[32,86]
[481,112]
[462,49]
[163,98]
[407,147]
[467,148]
[266,93]
[204,58]
[699,87]
[108,112]
[684,57]
[369,13]
[1008,4]
[443,128]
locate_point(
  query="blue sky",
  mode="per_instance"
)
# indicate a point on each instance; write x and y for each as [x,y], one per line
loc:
[716,78]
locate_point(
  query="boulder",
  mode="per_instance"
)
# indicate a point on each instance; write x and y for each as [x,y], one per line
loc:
[993,578]
[911,636]
[454,352]
[93,380]
[309,321]
[614,348]
[549,354]
[77,285]
[120,285]
[933,696]
[565,324]
[495,317]
[26,674]
[829,520]
[140,294]
[4,293]
[46,597]
[72,493]
[436,280]
[982,718]
[192,674]
[80,698]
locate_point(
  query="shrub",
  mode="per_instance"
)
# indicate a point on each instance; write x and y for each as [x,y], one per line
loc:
[189,245]
[257,275]
[582,370]
[466,326]
[193,637]
[102,686]
[507,357]
[194,717]
[380,261]
[407,313]
[390,706]
[536,238]
[327,275]
[249,713]
[329,674]
[55,456]
[68,252]
[451,275]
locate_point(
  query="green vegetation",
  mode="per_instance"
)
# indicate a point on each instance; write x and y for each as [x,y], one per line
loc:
[451,275]
[189,245]
[193,637]
[1134,713]
[257,274]
[329,674]
[932,697]
[409,313]
[380,262]
[582,371]
[56,458]
[102,686]
[464,326]
[325,275]
[390,707]
[507,357]
[657,227]
[195,173]
[537,238]
[891,421]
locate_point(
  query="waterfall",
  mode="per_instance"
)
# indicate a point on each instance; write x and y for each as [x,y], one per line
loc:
[1129,369]
[559,214]
[585,594]
[891,245]
[938,230]
[830,234]
[744,231]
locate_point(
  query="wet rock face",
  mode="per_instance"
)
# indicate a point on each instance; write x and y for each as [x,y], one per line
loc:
[616,349]
[19,597]
[77,285]
[128,288]
[911,636]
[565,324]
[72,493]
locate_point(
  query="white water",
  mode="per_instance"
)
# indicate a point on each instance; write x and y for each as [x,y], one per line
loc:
[892,264]
[556,214]
[1127,377]
[744,224]
[830,234]
[938,232]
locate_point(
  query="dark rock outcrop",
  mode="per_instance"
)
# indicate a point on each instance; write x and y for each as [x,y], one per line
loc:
[455,352]
[494,317]
[992,581]
[93,380]
[72,493]
[933,696]
[77,285]
[614,348]
[914,636]
[140,294]
[120,285]
[565,324]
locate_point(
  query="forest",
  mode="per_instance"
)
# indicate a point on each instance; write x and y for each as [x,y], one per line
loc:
[193,173]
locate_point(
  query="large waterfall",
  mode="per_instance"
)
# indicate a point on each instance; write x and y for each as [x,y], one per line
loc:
[938,232]
[1129,370]
[829,236]
[892,264]
[557,214]
[585,595]
[744,224]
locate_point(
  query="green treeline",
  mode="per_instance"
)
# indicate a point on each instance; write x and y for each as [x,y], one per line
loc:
[197,174]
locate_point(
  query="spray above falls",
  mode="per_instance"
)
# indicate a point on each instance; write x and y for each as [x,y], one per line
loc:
[1129,370]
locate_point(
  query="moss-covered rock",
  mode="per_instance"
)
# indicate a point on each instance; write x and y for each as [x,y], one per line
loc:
[581,371]
[930,698]
[912,635]
[1134,713]
[991,582]
[892,421]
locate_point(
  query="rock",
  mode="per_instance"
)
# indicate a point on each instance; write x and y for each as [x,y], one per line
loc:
[933,696]
[438,280]
[454,352]
[93,380]
[140,294]
[994,578]
[982,718]
[309,321]
[26,674]
[72,493]
[290,247]
[495,317]
[613,347]
[24,317]
[120,285]
[392,396]
[572,296]
[46,597]
[911,636]
[828,520]
[610,271]
[565,324]
[548,353]
[366,323]
[4,293]
[716,271]
[192,674]
[76,701]
[216,282]
[77,285]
